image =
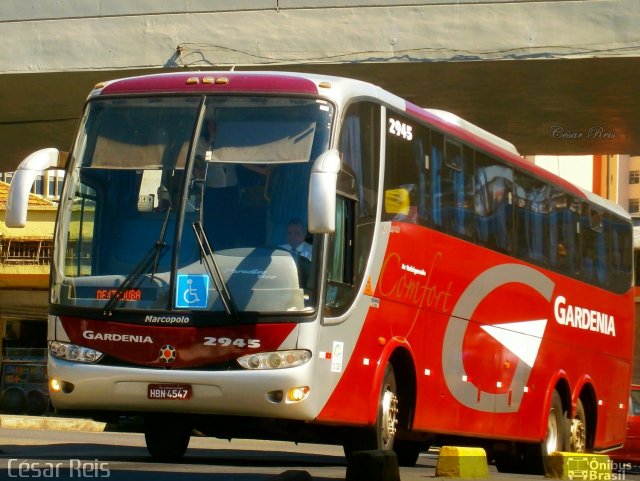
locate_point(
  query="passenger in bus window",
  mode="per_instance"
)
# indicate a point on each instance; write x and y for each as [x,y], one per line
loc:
[562,256]
[296,244]
[563,233]
[300,250]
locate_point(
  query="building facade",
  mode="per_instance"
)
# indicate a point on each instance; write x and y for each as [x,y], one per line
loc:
[25,258]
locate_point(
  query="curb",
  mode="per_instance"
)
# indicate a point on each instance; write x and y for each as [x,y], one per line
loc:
[50,423]
[462,462]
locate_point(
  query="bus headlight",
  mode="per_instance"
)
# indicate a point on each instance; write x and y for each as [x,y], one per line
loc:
[73,352]
[55,385]
[275,360]
[298,394]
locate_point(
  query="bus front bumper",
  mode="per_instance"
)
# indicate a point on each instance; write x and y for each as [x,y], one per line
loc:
[262,393]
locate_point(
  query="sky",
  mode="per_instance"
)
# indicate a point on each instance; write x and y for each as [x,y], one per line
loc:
[577,169]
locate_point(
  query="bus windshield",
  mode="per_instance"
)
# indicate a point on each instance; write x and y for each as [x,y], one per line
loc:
[163,192]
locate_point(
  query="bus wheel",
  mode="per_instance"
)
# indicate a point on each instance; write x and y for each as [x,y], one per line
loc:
[555,438]
[167,437]
[382,435]
[536,456]
[387,421]
[578,430]
[408,452]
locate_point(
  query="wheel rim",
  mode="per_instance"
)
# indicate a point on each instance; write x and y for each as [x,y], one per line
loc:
[578,436]
[553,431]
[389,417]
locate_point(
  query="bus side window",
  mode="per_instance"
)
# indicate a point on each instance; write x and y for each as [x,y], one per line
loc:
[406,177]
[350,245]
[493,203]
[437,154]
[564,217]
[532,216]
[359,145]
[456,190]
[340,276]
[593,245]
[635,402]
[424,179]
[81,248]
[620,254]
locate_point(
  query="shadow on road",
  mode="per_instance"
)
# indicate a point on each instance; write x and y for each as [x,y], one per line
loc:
[64,461]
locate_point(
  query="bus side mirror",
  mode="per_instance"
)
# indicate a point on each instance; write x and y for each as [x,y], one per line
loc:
[322,193]
[23,179]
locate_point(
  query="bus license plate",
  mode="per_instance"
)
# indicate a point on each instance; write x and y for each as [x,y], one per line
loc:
[171,392]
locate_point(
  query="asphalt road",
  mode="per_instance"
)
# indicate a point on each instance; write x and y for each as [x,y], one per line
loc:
[62,455]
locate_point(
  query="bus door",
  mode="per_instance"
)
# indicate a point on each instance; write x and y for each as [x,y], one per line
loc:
[356,205]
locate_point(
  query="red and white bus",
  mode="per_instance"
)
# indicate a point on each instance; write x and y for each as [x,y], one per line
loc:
[449,289]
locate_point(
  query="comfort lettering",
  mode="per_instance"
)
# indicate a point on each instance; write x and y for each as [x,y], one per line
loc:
[415,285]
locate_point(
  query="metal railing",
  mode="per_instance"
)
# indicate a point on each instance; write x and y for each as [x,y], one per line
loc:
[25,252]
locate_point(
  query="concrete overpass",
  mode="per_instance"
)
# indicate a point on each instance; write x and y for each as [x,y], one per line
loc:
[553,77]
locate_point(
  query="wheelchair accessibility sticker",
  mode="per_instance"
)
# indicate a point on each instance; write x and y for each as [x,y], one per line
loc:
[192,291]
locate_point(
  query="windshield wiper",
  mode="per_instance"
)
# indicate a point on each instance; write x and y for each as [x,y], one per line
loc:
[214,271]
[151,257]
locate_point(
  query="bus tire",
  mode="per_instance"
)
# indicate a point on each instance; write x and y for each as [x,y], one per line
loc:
[382,435]
[37,402]
[14,400]
[408,452]
[167,438]
[556,438]
[578,430]
[387,418]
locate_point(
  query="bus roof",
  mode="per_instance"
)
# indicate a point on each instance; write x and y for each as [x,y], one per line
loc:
[338,89]
[478,131]
[199,82]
